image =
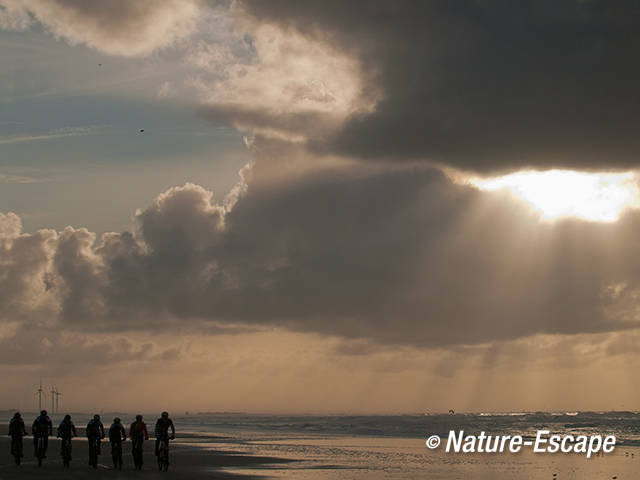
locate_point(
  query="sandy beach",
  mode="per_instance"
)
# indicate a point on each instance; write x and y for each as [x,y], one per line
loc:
[243,446]
[187,461]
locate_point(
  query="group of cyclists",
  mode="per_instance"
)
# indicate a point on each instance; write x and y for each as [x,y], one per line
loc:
[42,428]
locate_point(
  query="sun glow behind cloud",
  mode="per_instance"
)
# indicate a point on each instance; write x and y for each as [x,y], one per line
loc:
[597,197]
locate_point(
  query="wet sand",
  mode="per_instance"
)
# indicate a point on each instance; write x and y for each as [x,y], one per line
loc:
[187,462]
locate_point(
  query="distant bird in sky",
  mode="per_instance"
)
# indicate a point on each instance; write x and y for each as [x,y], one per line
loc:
[141,130]
[99,64]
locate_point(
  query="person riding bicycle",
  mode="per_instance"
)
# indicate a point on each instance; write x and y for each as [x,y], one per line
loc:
[95,431]
[41,428]
[138,433]
[163,425]
[117,432]
[138,429]
[117,435]
[66,431]
[17,431]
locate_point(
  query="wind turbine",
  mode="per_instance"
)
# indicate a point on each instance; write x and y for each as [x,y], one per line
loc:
[53,399]
[39,392]
[57,400]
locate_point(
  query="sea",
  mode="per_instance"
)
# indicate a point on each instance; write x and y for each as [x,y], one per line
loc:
[393,446]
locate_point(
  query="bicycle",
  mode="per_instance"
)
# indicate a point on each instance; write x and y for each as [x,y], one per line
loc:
[65,452]
[163,454]
[94,451]
[116,455]
[40,449]
[16,449]
[136,451]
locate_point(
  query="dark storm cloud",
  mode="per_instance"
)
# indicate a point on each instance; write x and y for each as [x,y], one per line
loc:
[408,257]
[485,85]
[397,257]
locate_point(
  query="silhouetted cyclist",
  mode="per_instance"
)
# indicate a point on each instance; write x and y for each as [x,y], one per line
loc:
[66,431]
[138,433]
[117,435]
[163,425]
[41,429]
[17,431]
[95,433]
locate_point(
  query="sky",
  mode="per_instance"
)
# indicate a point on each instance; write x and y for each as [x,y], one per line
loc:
[320,206]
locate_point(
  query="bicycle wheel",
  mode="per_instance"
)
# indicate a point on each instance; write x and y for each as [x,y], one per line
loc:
[160,456]
[166,456]
[66,452]
[16,449]
[40,451]
[137,453]
[93,455]
[116,455]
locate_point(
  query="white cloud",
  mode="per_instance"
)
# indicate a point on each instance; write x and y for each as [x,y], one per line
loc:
[277,82]
[117,27]
[52,135]
[10,178]
[14,16]
[164,90]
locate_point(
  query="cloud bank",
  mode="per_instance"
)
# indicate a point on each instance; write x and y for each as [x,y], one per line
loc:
[398,256]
